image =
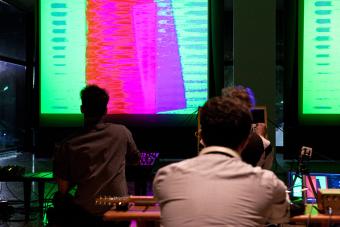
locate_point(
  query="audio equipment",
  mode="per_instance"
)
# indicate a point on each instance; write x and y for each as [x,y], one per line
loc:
[136,200]
[329,201]
[148,158]
[11,171]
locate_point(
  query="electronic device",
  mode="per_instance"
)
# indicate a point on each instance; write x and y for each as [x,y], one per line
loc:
[329,201]
[319,180]
[136,200]
[148,158]
[10,171]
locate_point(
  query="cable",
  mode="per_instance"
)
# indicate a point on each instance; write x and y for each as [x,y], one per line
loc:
[15,202]
[48,201]
[189,118]
[327,158]
[317,153]
[13,194]
[49,197]
[317,209]
[330,212]
[53,186]
[309,216]
[275,125]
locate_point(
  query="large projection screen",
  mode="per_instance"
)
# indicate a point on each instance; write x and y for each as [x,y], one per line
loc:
[150,55]
[319,58]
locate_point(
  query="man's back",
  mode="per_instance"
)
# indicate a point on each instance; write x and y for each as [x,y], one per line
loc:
[217,190]
[94,160]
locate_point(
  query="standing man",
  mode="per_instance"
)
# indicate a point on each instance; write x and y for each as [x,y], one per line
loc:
[217,188]
[258,151]
[93,160]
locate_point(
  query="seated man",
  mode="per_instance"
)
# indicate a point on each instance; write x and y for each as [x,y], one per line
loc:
[217,188]
[93,160]
[258,151]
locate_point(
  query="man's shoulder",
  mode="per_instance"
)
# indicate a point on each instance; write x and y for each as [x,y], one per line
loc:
[69,138]
[264,173]
[113,127]
[268,178]
[117,130]
[180,166]
[103,128]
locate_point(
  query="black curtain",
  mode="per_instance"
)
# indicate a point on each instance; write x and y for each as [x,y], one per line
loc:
[216,49]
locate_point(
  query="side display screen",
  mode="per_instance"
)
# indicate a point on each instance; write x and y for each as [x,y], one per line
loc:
[319,54]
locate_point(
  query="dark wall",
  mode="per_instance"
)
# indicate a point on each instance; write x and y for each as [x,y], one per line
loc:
[173,139]
[255,52]
[12,32]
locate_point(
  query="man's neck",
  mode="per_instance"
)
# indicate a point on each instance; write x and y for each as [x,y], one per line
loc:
[89,122]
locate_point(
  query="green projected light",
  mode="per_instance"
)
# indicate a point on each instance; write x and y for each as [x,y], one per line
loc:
[62,54]
[319,54]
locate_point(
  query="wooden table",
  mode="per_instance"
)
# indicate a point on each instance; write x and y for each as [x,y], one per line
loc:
[143,215]
[312,216]
[319,219]
[150,216]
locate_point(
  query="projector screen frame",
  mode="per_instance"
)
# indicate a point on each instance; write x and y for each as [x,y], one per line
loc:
[75,120]
[309,118]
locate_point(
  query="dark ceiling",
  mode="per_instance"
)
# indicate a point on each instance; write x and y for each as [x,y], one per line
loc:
[25,5]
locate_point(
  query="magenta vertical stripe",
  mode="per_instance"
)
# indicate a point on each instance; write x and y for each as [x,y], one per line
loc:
[170,83]
[144,18]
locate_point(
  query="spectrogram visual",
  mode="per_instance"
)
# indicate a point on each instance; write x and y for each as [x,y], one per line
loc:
[150,55]
[319,58]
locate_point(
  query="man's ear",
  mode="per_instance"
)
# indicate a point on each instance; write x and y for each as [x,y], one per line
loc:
[82,109]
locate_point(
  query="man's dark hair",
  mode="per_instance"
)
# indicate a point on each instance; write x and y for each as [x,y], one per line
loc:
[94,101]
[225,122]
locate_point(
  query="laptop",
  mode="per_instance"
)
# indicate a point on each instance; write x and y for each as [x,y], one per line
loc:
[319,181]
